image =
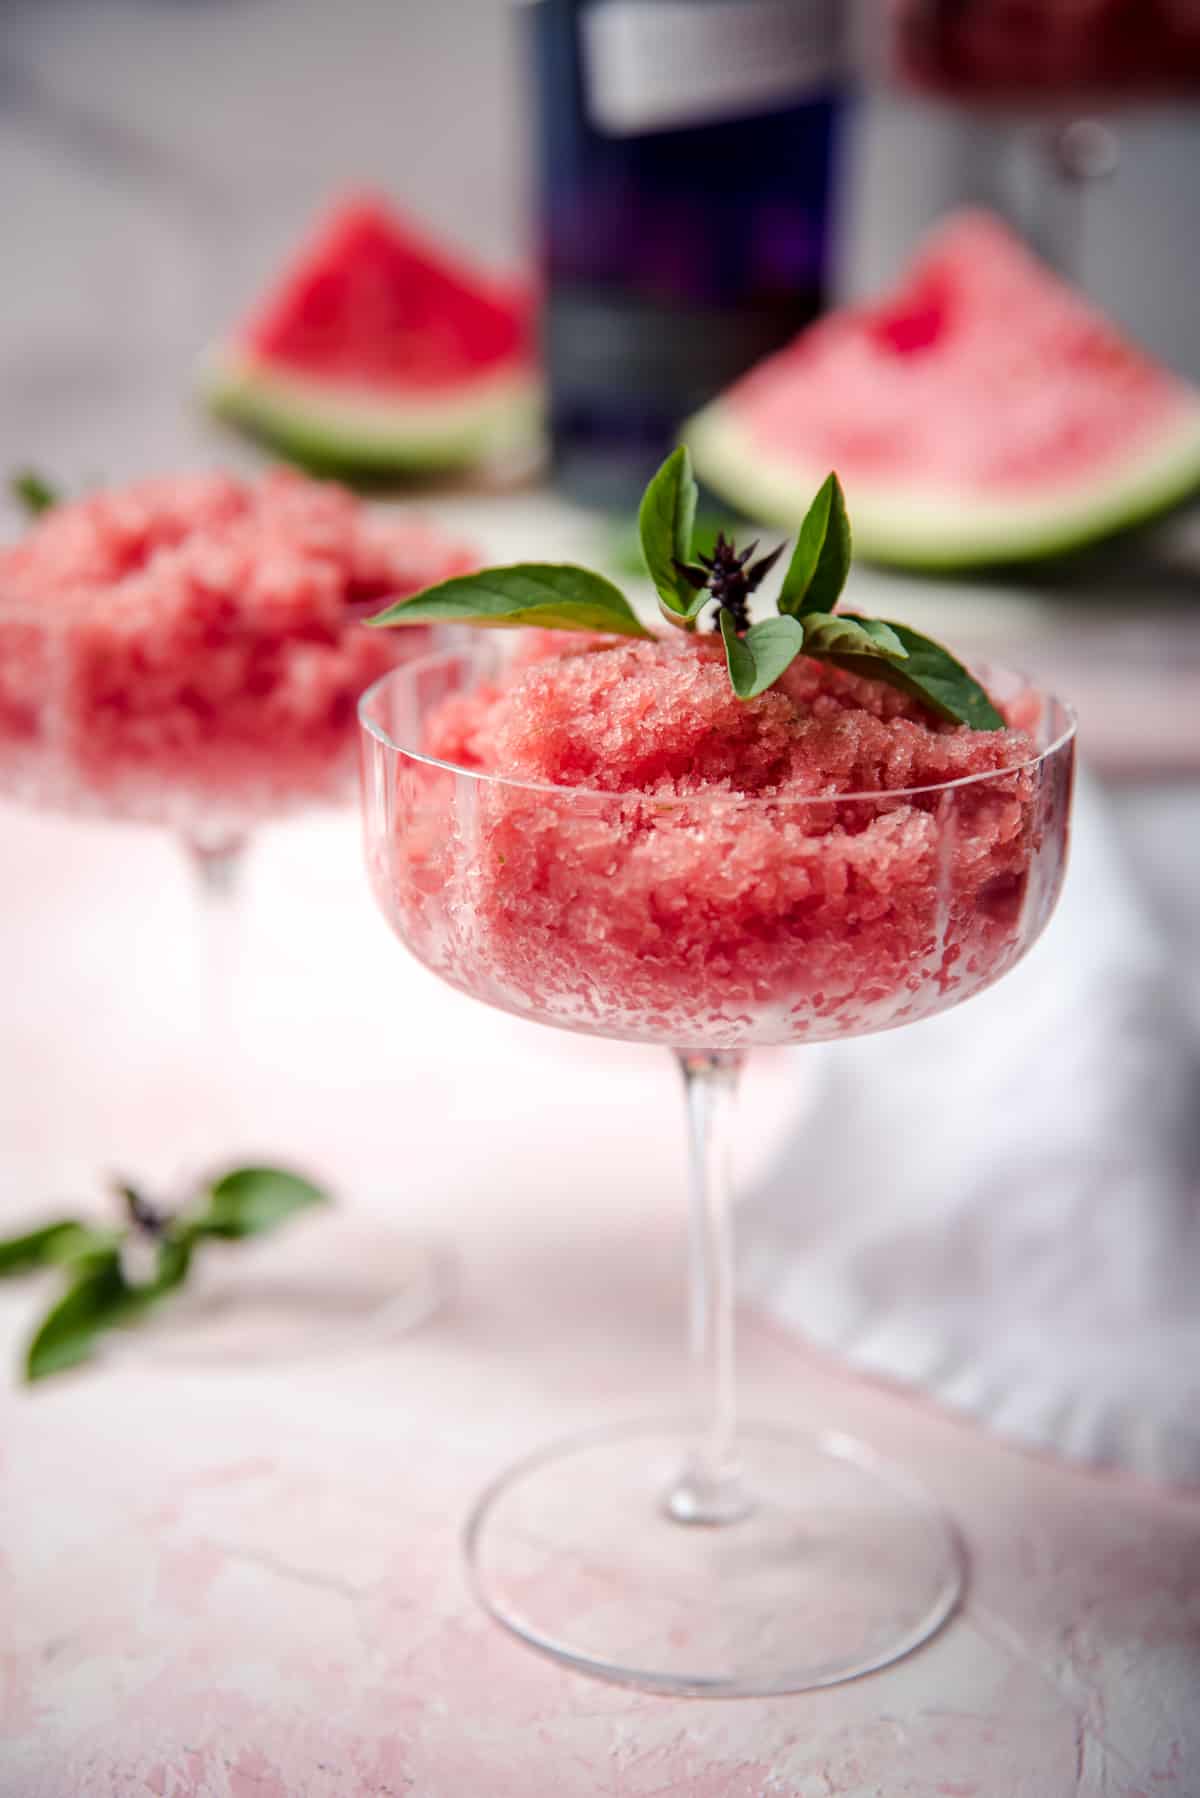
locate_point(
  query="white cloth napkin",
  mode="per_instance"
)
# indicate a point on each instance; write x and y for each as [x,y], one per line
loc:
[1000,1205]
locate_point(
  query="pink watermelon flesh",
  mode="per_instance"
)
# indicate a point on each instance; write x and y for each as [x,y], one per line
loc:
[982,412]
[369,302]
[377,348]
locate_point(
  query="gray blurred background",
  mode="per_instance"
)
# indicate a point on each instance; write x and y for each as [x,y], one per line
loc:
[158,158]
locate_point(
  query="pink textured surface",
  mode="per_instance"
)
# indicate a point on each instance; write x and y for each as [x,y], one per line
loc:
[244,1583]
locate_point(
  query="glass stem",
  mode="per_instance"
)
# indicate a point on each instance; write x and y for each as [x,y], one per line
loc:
[710,1489]
[216,868]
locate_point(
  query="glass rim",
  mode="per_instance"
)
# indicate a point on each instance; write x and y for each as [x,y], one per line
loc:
[487,776]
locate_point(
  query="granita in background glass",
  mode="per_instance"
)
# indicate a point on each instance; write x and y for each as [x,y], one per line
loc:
[187,652]
[602,836]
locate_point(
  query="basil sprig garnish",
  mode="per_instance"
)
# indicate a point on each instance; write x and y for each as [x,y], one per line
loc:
[116,1276]
[563,597]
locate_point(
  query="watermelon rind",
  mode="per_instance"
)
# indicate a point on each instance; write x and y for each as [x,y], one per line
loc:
[492,418]
[936,533]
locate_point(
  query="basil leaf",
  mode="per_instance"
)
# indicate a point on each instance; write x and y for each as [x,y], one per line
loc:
[92,1249]
[174,1260]
[34,493]
[844,633]
[665,520]
[251,1200]
[757,660]
[820,561]
[693,582]
[45,1247]
[932,675]
[554,595]
[98,1300]
[685,619]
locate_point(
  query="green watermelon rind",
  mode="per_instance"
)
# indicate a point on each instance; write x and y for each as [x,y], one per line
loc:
[915,529]
[359,431]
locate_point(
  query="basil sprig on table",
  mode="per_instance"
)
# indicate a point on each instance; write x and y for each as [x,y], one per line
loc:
[563,597]
[104,1289]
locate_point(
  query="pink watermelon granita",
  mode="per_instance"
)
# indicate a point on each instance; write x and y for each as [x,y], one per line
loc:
[665,862]
[192,646]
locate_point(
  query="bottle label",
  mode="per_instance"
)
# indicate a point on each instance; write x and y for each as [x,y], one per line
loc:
[662,65]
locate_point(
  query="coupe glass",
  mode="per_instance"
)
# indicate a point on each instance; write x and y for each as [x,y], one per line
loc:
[700,1557]
[192,724]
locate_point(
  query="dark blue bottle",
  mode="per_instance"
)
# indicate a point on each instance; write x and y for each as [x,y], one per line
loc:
[684,160]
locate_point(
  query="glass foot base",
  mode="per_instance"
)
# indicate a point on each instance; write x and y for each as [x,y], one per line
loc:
[841,1565]
[331,1282]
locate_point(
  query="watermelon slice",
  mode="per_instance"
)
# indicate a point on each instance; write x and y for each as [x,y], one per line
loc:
[982,413]
[375,354]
